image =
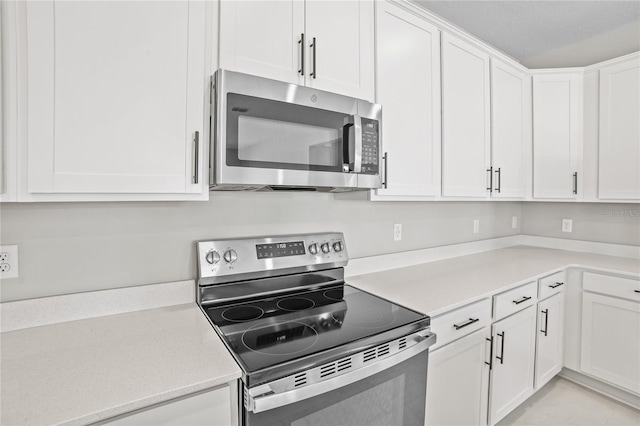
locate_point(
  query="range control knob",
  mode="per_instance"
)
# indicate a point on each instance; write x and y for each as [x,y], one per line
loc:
[230,256]
[325,247]
[337,247]
[212,257]
[313,248]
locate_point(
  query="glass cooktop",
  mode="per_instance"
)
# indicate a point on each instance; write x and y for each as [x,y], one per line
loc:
[270,331]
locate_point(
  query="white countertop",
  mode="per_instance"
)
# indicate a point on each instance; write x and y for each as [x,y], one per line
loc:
[436,287]
[88,370]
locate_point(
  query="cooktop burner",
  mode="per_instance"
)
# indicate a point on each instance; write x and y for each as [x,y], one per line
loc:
[296,325]
[242,313]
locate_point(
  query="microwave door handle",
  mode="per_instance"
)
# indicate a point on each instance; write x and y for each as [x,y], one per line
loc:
[347,145]
[357,125]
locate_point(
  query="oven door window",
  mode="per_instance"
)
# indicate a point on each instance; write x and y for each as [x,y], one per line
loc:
[393,397]
[271,134]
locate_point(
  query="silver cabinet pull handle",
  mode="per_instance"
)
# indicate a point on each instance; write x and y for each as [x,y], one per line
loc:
[557,284]
[498,180]
[490,171]
[302,48]
[314,46]
[546,321]
[196,156]
[524,299]
[386,170]
[501,357]
[466,323]
[575,183]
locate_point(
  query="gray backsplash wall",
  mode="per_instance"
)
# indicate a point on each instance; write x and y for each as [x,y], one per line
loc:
[74,247]
[605,223]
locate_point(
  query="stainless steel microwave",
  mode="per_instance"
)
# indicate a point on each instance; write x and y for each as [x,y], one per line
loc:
[270,135]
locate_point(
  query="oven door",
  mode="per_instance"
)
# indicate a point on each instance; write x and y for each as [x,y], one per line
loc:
[387,392]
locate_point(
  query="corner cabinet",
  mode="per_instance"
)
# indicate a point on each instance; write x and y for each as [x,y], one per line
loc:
[117,98]
[408,88]
[327,45]
[510,130]
[619,146]
[557,135]
[465,119]
[611,330]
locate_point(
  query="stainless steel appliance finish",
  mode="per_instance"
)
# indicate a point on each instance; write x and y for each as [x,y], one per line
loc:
[312,348]
[270,135]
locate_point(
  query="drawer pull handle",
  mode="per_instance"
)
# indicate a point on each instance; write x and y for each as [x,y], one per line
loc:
[546,321]
[466,323]
[557,284]
[524,299]
[637,291]
[501,357]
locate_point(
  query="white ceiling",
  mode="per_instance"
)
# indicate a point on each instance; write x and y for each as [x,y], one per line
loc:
[548,34]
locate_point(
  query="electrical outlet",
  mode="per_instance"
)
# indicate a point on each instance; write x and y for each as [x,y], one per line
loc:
[397,231]
[8,262]
[567,225]
[514,222]
[476,226]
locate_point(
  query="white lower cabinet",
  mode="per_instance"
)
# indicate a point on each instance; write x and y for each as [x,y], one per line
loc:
[611,330]
[457,382]
[513,363]
[213,407]
[550,339]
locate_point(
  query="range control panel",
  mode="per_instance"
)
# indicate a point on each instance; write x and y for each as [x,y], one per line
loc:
[226,260]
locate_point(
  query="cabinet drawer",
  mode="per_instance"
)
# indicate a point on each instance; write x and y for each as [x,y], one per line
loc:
[460,322]
[509,302]
[627,288]
[551,284]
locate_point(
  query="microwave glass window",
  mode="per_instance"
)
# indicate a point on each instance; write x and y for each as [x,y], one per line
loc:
[272,134]
[272,141]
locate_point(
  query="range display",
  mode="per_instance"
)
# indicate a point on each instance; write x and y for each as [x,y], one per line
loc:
[268,251]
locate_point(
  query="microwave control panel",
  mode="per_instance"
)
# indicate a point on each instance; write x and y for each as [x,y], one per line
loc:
[370,146]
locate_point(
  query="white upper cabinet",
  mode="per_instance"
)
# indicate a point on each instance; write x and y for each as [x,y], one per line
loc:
[510,129]
[619,142]
[408,88]
[557,135]
[328,45]
[116,97]
[466,158]
[263,38]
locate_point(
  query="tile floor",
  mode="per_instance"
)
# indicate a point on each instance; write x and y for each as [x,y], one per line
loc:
[562,402]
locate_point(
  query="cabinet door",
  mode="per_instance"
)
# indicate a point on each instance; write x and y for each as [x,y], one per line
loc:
[465,119]
[341,58]
[619,149]
[510,129]
[557,136]
[611,340]
[513,362]
[408,84]
[208,408]
[457,382]
[116,97]
[550,339]
[263,38]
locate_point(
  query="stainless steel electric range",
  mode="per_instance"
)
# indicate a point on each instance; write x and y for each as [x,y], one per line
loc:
[313,350]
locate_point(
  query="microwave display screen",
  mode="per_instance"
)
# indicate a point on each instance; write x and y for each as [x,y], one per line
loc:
[268,251]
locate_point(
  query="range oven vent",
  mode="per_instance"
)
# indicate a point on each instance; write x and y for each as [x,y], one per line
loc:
[338,367]
[300,379]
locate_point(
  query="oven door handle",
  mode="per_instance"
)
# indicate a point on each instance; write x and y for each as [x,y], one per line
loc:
[263,398]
